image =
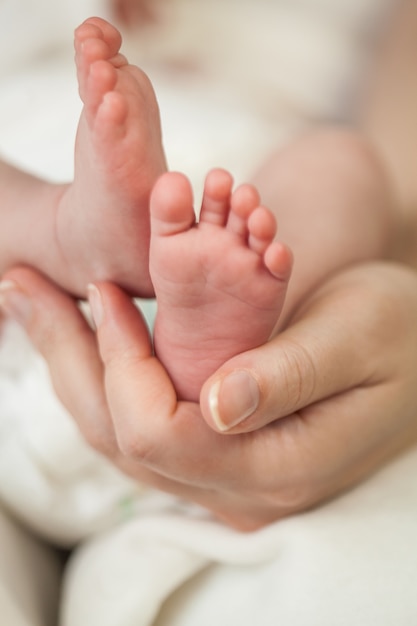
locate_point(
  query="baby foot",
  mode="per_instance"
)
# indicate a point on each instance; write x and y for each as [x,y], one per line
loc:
[220,283]
[103,217]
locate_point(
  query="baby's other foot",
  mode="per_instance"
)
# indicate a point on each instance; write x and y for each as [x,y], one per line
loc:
[103,217]
[220,283]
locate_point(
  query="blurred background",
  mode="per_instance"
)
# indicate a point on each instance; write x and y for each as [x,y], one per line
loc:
[234,78]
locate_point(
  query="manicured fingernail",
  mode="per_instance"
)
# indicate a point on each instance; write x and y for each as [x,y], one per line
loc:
[96,304]
[233,399]
[14,302]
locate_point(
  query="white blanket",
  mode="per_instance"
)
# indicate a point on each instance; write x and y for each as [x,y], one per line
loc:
[145,558]
[140,557]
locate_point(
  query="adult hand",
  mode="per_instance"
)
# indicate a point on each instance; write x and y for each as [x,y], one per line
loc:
[336,394]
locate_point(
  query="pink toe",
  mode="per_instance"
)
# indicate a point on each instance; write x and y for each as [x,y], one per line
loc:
[262,229]
[171,205]
[216,198]
[278,260]
[244,200]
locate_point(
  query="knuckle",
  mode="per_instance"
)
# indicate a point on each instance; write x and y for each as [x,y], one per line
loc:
[44,338]
[98,433]
[272,504]
[91,415]
[134,444]
[289,499]
[299,375]
[100,440]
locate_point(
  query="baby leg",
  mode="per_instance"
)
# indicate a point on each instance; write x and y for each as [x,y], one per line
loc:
[334,204]
[103,217]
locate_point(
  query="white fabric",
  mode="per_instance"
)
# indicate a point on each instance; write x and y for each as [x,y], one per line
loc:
[140,557]
[29,577]
[143,558]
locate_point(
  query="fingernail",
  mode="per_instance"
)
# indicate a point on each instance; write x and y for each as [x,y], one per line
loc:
[14,302]
[96,304]
[233,399]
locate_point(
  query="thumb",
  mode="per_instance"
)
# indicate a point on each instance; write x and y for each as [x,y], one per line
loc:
[326,351]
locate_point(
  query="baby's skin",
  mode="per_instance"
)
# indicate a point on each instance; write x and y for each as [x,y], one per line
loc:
[102,218]
[220,283]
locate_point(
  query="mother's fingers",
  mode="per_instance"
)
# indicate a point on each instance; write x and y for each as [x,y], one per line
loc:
[252,478]
[344,337]
[163,434]
[61,334]
[151,425]
[170,437]
[146,427]
[59,331]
